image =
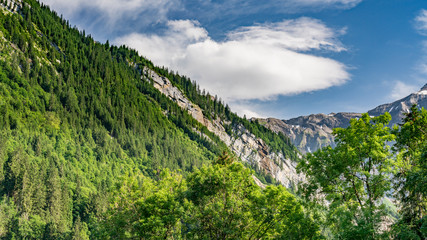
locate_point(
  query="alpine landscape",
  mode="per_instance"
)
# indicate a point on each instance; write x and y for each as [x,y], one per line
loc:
[101,138]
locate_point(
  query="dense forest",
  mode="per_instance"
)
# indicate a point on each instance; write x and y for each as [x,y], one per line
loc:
[89,150]
[76,120]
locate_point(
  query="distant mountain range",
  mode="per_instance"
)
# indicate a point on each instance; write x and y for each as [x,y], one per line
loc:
[309,133]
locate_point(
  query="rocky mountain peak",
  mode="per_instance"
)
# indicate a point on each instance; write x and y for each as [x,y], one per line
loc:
[309,133]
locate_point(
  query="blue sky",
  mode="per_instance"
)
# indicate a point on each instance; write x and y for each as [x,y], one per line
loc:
[273,58]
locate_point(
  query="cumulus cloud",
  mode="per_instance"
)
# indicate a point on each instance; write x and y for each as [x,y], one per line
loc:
[258,62]
[401,90]
[170,48]
[421,22]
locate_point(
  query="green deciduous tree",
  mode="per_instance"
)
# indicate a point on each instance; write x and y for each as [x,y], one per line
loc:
[222,197]
[411,178]
[353,177]
[219,201]
[147,209]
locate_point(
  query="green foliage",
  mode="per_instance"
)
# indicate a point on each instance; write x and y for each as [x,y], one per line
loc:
[411,178]
[147,209]
[74,115]
[222,201]
[7,214]
[353,177]
[215,202]
[224,159]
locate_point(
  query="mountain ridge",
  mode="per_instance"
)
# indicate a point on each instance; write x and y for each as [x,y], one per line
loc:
[312,132]
[77,116]
[243,143]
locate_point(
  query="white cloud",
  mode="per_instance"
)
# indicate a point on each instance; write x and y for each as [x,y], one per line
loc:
[401,90]
[114,8]
[423,68]
[258,62]
[246,108]
[327,3]
[421,22]
[111,11]
[107,19]
[230,9]
[148,11]
[301,35]
[421,26]
[255,62]
[170,48]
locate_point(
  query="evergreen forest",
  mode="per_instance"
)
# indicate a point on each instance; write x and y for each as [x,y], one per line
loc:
[90,150]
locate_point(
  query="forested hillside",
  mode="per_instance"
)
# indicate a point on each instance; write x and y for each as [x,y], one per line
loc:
[77,120]
[96,142]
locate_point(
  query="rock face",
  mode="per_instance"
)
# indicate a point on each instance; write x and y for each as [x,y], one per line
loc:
[11,5]
[398,108]
[243,143]
[309,133]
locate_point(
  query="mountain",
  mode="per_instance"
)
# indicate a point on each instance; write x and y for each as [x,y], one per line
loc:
[263,150]
[96,142]
[399,107]
[309,133]
[77,116]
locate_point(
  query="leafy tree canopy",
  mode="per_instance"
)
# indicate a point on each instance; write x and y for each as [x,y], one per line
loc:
[353,177]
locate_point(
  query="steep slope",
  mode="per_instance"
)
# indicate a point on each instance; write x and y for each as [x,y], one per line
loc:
[241,141]
[309,133]
[76,115]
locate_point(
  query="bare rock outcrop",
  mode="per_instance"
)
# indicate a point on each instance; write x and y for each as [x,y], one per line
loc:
[309,133]
[244,144]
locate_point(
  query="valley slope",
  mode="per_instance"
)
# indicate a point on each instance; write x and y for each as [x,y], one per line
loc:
[76,116]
